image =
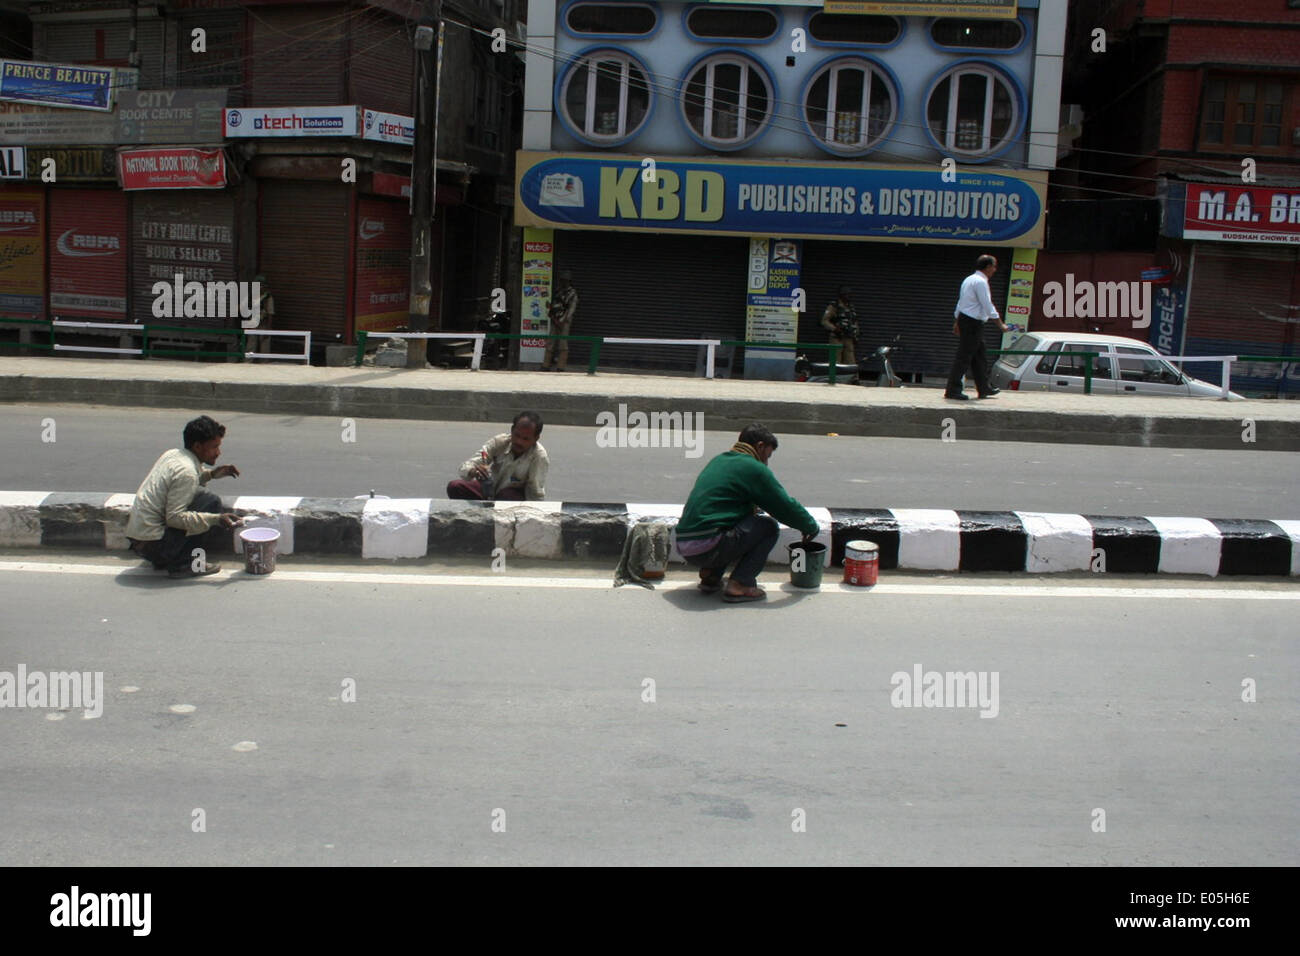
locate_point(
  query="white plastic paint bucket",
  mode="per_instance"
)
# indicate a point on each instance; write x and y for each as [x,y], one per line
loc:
[259,549]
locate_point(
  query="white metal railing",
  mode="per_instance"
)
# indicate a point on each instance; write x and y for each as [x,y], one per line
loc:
[65,324]
[304,356]
[1225,362]
[710,344]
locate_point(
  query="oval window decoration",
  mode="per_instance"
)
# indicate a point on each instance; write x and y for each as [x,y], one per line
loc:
[611,19]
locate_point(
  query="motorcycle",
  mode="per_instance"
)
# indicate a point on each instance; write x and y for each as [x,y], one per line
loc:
[875,369]
[459,353]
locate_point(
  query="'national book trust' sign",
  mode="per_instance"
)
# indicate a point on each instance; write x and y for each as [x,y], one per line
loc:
[794,200]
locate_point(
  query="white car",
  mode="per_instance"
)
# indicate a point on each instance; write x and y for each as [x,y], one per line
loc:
[1122,367]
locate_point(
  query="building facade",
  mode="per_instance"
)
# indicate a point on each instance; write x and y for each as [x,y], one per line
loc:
[1195,105]
[298,114]
[698,166]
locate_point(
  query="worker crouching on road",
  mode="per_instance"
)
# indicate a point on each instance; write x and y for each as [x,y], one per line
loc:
[719,524]
[171,516]
[508,468]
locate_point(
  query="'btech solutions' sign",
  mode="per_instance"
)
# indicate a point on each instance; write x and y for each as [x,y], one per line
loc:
[804,200]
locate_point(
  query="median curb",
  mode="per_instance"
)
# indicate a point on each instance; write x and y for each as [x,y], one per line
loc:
[727,405]
[909,539]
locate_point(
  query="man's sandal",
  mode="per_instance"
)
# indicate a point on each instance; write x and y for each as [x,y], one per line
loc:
[749,594]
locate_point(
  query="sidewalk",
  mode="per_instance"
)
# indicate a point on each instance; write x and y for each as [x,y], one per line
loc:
[575,398]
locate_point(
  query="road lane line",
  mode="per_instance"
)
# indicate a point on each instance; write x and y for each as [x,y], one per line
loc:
[910,589]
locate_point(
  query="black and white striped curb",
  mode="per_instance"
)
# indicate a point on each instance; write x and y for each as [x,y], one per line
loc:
[908,538]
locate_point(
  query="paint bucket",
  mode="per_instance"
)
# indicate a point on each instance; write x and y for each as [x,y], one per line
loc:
[259,549]
[812,555]
[861,563]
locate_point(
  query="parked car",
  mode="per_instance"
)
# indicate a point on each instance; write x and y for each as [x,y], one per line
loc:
[1122,367]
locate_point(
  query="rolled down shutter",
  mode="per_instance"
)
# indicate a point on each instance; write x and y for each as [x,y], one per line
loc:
[1243,301]
[88,245]
[90,41]
[181,231]
[653,285]
[897,290]
[303,253]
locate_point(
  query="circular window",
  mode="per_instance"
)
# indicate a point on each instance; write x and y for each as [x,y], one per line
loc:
[850,106]
[727,100]
[973,111]
[606,97]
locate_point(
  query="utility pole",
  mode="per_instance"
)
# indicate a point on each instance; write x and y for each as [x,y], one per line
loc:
[423,179]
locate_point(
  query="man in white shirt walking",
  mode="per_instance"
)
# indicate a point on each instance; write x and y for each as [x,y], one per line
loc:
[974,309]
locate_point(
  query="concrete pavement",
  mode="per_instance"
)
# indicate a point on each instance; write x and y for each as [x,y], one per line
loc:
[575,398]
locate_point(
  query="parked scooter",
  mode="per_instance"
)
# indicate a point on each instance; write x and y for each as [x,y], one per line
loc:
[459,353]
[875,369]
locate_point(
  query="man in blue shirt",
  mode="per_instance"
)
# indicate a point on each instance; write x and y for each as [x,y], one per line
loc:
[974,309]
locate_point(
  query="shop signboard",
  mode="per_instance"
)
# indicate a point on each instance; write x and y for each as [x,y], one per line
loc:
[793,200]
[1229,213]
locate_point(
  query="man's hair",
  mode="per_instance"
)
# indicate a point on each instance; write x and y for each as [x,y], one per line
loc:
[533,418]
[202,429]
[845,292]
[984,261]
[755,433]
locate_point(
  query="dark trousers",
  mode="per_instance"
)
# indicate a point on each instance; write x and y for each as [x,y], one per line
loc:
[971,354]
[174,550]
[472,489]
[748,544]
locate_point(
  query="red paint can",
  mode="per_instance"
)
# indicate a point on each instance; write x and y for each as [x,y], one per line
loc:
[861,563]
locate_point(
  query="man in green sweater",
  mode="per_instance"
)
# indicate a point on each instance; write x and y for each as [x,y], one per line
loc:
[719,524]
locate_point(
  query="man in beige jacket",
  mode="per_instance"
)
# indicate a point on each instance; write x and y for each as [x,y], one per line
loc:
[171,516]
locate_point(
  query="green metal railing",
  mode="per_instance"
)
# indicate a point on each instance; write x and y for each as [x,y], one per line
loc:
[145,331]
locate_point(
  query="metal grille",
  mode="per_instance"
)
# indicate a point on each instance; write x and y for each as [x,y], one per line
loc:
[303,251]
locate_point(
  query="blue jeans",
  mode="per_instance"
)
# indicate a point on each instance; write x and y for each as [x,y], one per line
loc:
[748,544]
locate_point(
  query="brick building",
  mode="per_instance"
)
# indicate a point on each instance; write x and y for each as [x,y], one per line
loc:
[1195,105]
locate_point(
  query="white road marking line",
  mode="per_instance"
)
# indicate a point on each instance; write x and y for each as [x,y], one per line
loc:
[1209,591]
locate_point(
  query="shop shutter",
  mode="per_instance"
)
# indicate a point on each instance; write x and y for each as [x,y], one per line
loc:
[653,285]
[303,251]
[184,231]
[381,66]
[88,41]
[1243,301]
[898,289]
[298,56]
[88,240]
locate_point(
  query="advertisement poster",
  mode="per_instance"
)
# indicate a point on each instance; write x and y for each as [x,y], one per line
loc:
[538,265]
[773,277]
[22,254]
[794,200]
[383,278]
[175,167]
[1020,294]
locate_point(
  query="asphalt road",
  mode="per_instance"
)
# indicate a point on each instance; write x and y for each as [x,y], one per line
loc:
[111,449]
[521,701]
